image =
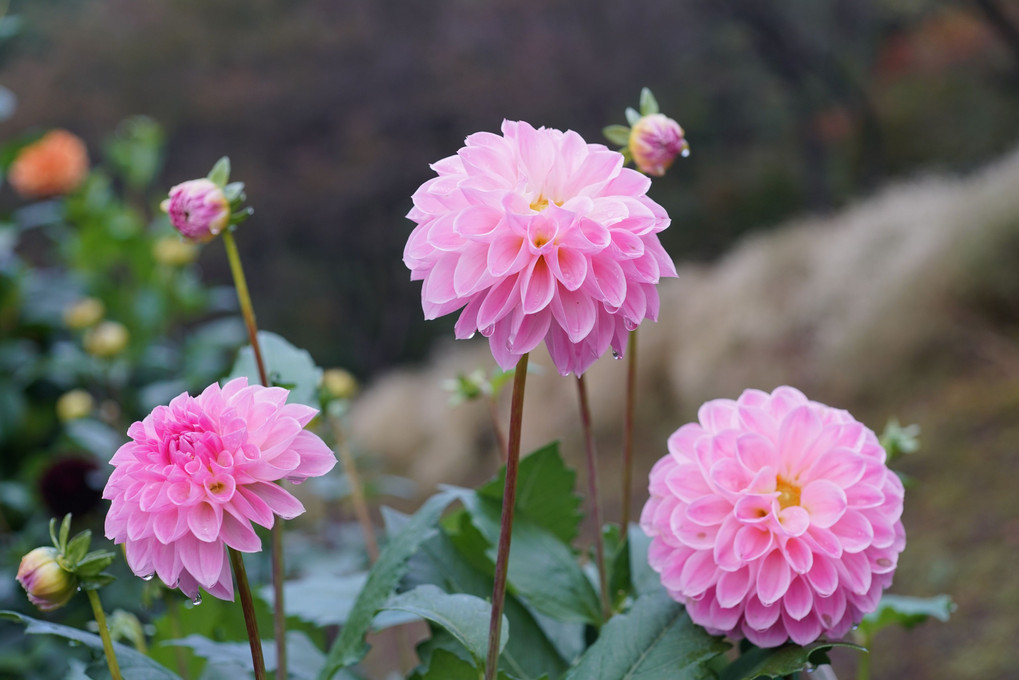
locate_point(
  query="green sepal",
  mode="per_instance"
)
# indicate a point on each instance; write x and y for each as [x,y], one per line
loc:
[632,115]
[648,103]
[617,134]
[96,582]
[93,563]
[77,547]
[220,173]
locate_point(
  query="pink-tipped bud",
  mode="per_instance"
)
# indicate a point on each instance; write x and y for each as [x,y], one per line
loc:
[48,585]
[198,209]
[655,141]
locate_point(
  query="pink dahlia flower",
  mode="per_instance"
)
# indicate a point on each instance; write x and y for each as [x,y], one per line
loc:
[198,472]
[538,235]
[774,518]
[198,209]
[655,141]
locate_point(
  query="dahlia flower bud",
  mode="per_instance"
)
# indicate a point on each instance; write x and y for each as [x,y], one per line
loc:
[198,209]
[84,313]
[108,339]
[339,383]
[54,165]
[48,585]
[74,404]
[174,252]
[774,518]
[654,143]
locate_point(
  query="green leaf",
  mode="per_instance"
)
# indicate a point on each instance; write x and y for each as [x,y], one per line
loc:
[529,653]
[619,564]
[645,579]
[617,134]
[906,611]
[350,647]
[632,116]
[445,665]
[77,547]
[220,173]
[465,617]
[544,492]
[781,661]
[542,569]
[143,668]
[285,366]
[648,103]
[655,640]
[227,659]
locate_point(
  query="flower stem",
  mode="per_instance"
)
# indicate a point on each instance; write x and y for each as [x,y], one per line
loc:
[592,487]
[509,498]
[248,607]
[493,411]
[173,612]
[104,633]
[276,533]
[356,489]
[631,398]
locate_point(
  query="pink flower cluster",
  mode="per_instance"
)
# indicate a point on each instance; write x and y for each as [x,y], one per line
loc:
[774,518]
[539,236]
[198,472]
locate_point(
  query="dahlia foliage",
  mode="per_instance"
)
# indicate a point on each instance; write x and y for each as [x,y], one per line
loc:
[198,472]
[774,518]
[538,235]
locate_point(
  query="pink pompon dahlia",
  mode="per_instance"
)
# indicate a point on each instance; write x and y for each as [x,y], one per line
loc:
[774,518]
[198,472]
[538,235]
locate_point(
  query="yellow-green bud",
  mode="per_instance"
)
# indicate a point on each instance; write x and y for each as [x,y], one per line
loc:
[339,383]
[172,251]
[106,340]
[84,313]
[74,405]
[48,585]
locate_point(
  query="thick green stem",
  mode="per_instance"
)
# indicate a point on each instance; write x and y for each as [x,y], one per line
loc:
[104,633]
[276,533]
[592,487]
[631,398]
[248,607]
[509,498]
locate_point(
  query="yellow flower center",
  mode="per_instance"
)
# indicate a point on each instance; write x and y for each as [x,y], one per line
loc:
[788,493]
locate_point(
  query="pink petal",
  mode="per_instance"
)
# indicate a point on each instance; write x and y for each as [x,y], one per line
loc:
[823,577]
[773,578]
[709,510]
[804,631]
[537,286]
[204,520]
[760,616]
[751,543]
[756,452]
[797,432]
[575,312]
[570,267]
[798,555]
[853,531]
[699,573]
[281,502]
[798,600]
[732,587]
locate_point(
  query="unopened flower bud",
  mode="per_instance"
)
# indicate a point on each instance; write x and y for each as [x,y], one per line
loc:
[54,165]
[198,209]
[84,313]
[173,252]
[106,340]
[74,405]
[655,141]
[48,585]
[339,383]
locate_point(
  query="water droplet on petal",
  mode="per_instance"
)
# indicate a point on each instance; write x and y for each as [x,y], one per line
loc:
[471,336]
[149,577]
[685,153]
[616,355]
[197,599]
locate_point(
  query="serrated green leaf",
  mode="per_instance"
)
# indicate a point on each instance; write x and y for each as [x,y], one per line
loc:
[655,640]
[285,365]
[648,103]
[632,115]
[144,667]
[465,617]
[542,568]
[906,611]
[544,492]
[529,653]
[617,134]
[781,661]
[220,173]
[350,646]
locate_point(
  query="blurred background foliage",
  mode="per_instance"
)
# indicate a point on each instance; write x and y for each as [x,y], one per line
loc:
[332,111]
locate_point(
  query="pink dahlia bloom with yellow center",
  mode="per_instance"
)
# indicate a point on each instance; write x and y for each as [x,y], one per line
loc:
[774,518]
[198,209]
[539,236]
[198,472]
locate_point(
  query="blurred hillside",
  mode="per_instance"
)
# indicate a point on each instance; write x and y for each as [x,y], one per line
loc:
[332,111]
[904,305]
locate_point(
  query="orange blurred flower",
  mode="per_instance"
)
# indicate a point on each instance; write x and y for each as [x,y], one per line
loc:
[54,165]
